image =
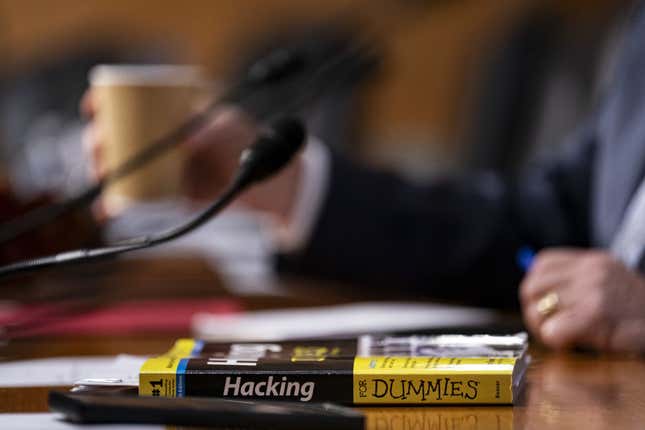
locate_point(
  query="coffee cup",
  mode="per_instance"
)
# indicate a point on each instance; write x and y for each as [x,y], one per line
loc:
[136,105]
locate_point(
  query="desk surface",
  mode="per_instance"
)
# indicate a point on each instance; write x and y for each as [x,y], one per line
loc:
[563,390]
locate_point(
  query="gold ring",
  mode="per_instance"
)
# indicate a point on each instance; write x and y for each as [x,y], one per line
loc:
[548,304]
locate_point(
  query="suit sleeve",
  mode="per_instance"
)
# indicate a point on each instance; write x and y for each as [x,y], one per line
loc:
[453,239]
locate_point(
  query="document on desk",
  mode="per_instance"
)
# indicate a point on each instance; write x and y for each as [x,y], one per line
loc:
[51,421]
[62,371]
[342,320]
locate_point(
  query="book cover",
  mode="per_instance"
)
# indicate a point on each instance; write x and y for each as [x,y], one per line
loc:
[364,371]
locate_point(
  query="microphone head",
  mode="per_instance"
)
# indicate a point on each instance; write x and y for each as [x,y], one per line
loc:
[278,64]
[271,151]
[290,131]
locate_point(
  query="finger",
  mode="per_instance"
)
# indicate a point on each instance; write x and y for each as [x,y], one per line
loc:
[229,129]
[536,284]
[87,105]
[534,318]
[100,212]
[554,258]
[578,321]
[201,177]
[562,330]
[214,130]
[625,335]
[92,141]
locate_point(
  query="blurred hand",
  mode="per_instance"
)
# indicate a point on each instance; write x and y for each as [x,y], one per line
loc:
[212,159]
[584,298]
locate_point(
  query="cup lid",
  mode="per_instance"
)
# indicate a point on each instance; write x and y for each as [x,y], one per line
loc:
[145,74]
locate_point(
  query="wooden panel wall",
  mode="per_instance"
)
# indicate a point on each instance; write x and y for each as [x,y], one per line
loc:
[433,51]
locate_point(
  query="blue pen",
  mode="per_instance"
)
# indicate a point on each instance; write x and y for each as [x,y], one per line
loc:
[524,258]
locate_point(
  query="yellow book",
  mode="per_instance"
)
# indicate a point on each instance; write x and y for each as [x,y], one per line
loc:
[370,370]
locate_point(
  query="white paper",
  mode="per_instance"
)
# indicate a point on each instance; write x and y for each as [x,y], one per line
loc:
[48,372]
[52,421]
[352,319]
[234,243]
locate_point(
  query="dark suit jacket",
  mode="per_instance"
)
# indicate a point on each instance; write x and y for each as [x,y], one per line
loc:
[457,238]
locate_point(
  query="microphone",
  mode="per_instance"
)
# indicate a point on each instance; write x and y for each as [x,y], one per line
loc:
[277,65]
[274,70]
[268,155]
[269,70]
[271,152]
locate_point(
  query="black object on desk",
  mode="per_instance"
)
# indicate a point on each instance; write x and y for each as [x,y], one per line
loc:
[211,412]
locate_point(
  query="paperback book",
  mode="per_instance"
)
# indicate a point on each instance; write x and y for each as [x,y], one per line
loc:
[370,370]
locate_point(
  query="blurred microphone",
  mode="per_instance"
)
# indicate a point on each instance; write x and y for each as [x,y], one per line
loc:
[289,75]
[268,71]
[275,66]
[268,155]
[271,152]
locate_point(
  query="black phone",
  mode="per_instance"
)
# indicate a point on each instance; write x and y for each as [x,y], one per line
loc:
[203,412]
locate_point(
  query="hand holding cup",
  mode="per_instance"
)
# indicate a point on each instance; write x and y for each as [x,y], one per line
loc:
[198,169]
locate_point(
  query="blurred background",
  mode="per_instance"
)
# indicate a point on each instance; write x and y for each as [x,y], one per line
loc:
[450,85]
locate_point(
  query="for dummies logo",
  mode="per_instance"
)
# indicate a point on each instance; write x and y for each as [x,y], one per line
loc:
[269,388]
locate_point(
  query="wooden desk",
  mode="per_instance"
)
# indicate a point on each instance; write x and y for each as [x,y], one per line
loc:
[563,391]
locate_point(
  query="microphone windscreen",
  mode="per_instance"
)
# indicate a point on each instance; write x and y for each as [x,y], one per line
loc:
[272,151]
[273,67]
[290,131]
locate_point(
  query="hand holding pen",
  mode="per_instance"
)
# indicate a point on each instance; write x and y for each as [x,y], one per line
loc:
[582,298]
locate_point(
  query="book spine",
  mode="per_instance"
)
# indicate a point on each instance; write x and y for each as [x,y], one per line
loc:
[303,381]
[360,381]
[431,380]
[158,376]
